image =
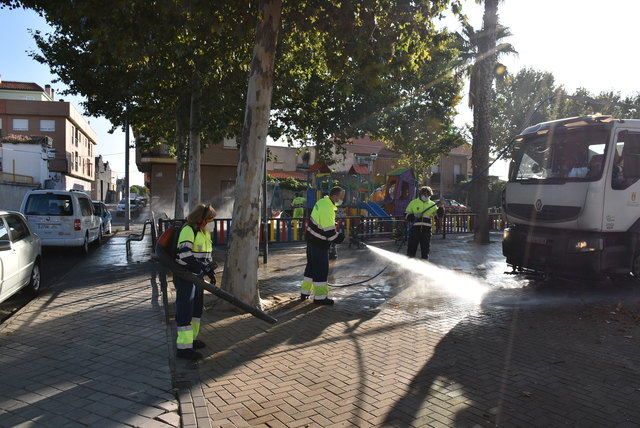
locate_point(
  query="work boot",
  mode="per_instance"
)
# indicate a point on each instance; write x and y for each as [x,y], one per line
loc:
[304,297]
[188,354]
[326,301]
[198,344]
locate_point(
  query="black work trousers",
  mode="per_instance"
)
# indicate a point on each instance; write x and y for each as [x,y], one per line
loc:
[189,302]
[419,235]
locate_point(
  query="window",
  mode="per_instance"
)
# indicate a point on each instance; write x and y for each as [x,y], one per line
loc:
[435,169]
[97,208]
[49,204]
[47,125]
[229,143]
[18,230]
[626,160]
[85,207]
[20,124]
[4,233]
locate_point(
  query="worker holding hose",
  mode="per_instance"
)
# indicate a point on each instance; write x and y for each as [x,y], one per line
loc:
[321,233]
[194,254]
[419,213]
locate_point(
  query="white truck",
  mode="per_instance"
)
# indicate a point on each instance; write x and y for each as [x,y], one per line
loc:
[573,198]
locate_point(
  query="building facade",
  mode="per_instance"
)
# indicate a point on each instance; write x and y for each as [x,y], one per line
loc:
[104,186]
[28,109]
[451,169]
[217,173]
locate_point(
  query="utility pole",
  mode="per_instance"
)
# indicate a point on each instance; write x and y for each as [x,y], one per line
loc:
[127,207]
[265,226]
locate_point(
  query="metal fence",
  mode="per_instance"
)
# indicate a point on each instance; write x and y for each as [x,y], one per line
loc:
[281,230]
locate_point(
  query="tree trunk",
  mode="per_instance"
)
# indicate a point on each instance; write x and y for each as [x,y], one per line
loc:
[181,152]
[485,63]
[195,152]
[181,155]
[241,268]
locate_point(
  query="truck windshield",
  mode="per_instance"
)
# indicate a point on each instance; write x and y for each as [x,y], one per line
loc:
[561,155]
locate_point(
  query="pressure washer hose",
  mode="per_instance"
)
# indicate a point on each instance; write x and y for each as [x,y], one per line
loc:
[351,284]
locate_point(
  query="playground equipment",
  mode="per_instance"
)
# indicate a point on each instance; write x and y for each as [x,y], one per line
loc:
[399,190]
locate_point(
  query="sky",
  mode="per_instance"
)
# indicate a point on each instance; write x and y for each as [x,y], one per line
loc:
[584,43]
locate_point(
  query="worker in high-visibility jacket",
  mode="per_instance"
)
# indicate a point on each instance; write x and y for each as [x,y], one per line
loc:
[419,213]
[195,254]
[321,233]
[298,205]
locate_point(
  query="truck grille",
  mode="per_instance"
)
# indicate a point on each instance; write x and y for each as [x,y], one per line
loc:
[549,213]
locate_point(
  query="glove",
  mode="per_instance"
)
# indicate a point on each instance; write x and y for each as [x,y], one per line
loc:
[339,239]
[212,278]
[411,218]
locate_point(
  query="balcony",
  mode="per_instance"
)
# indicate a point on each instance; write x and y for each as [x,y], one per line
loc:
[6,177]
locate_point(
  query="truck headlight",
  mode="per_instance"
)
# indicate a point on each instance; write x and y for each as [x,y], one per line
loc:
[585,245]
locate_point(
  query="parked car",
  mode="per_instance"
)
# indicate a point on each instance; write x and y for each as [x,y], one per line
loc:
[453,206]
[134,207]
[62,218]
[100,209]
[20,255]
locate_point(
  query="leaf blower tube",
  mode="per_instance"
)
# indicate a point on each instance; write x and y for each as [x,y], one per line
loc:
[167,261]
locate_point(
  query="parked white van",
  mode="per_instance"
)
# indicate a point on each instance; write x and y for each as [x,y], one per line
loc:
[62,218]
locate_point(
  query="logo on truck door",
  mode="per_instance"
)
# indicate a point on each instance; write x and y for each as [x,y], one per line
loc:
[539,205]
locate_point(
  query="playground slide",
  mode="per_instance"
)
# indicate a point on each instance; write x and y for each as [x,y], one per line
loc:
[373,209]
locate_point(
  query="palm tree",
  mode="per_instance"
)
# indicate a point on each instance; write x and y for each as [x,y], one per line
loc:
[481,51]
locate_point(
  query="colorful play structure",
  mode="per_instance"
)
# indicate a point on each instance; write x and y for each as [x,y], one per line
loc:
[389,200]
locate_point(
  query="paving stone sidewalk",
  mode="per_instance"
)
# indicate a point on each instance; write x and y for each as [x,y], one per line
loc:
[92,350]
[460,345]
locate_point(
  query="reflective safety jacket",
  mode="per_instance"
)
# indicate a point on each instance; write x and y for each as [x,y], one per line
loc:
[322,223]
[422,210]
[298,204]
[194,249]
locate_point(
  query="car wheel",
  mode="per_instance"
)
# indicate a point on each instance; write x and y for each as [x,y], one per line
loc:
[85,245]
[635,267]
[34,283]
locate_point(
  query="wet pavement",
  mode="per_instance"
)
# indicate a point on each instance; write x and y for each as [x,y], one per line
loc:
[449,342]
[92,349]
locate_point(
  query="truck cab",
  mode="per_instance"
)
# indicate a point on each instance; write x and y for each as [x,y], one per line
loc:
[572,201]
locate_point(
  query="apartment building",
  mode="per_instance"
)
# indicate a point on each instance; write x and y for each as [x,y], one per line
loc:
[28,109]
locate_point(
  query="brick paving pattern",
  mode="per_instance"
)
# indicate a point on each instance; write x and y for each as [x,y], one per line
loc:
[411,351]
[90,351]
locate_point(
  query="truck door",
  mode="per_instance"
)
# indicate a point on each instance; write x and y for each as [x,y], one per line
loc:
[622,190]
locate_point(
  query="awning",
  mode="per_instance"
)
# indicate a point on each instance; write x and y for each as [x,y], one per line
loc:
[359,170]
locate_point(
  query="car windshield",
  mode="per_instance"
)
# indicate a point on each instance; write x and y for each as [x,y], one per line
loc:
[49,204]
[562,155]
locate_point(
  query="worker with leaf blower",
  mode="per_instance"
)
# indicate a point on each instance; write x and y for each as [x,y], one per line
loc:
[194,254]
[321,233]
[419,214]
